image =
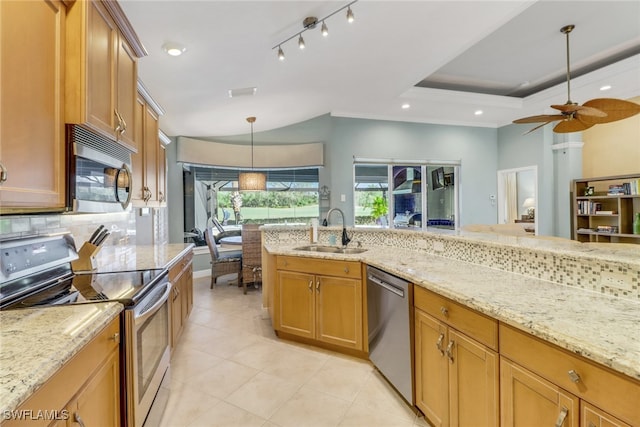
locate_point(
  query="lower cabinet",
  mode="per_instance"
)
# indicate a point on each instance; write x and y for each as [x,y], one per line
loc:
[526,396]
[542,381]
[456,376]
[85,391]
[181,299]
[320,300]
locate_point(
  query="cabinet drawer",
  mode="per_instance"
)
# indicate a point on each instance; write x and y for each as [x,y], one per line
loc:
[325,267]
[617,394]
[476,325]
[179,266]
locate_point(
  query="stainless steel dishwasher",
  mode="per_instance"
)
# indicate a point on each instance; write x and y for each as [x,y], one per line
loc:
[389,309]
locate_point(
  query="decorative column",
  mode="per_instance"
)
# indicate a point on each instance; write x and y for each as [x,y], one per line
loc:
[567,166]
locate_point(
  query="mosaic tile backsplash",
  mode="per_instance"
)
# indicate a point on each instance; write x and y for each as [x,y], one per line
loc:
[607,270]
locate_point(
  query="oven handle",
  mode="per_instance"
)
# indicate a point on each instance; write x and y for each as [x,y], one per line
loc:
[387,286]
[140,318]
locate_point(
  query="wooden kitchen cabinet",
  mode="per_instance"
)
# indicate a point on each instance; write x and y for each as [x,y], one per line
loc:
[526,397]
[593,384]
[87,386]
[149,163]
[181,299]
[32,154]
[320,300]
[591,416]
[101,70]
[457,382]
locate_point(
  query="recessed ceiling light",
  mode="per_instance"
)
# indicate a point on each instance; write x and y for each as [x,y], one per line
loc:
[605,87]
[174,49]
[406,106]
[478,112]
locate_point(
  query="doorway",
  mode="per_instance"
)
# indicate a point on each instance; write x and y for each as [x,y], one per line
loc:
[518,196]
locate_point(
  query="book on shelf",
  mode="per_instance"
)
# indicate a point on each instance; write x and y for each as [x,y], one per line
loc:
[601,212]
[607,229]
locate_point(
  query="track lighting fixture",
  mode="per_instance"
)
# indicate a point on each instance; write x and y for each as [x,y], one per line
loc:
[309,23]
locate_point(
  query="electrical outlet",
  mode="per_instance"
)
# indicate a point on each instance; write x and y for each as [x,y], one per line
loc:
[615,280]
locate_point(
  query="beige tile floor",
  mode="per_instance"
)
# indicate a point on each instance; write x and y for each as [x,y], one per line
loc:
[229,369]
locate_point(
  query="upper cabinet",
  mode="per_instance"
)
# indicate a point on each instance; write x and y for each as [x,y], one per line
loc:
[101,70]
[32,172]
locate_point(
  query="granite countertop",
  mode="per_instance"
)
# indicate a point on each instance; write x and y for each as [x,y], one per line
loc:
[35,343]
[599,327]
[141,257]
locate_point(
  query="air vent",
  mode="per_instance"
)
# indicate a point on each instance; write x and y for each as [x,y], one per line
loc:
[98,142]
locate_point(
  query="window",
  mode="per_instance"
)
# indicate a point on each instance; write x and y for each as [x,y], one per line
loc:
[291,197]
[415,189]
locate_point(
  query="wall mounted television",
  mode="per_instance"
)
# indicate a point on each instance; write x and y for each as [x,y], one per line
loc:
[437,178]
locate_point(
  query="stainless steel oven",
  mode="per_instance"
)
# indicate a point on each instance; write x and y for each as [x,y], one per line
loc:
[147,329]
[99,173]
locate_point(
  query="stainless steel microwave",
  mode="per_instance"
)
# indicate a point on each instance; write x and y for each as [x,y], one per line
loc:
[98,173]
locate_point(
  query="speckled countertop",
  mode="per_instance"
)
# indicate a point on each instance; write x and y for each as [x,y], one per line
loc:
[599,327]
[35,343]
[140,257]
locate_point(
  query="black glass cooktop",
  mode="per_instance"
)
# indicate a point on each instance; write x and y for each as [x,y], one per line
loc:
[126,287]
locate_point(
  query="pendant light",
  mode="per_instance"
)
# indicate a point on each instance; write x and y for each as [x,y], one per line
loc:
[252,181]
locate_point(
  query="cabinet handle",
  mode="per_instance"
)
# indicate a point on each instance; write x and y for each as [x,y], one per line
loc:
[115,337]
[310,285]
[3,173]
[318,285]
[124,125]
[346,270]
[77,419]
[444,311]
[591,424]
[450,351]
[574,376]
[562,416]
[439,344]
[161,197]
[119,126]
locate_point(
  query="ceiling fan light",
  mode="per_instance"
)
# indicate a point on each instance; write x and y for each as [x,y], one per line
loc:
[324,29]
[280,54]
[301,42]
[350,17]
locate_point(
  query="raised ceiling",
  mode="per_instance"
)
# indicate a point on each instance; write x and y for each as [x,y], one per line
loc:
[447,59]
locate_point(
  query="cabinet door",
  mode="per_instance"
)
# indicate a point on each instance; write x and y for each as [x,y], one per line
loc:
[101,43]
[127,82]
[176,312]
[526,397]
[99,402]
[162,175]
[595,417]
[151,147]
[31,78]
[295,303]
[339,311]
[432,383]
[137,159]
[473,382]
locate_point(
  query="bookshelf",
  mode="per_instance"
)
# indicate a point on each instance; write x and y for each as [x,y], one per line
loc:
[605,214]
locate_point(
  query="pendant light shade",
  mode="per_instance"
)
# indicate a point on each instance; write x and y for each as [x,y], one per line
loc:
[252,181]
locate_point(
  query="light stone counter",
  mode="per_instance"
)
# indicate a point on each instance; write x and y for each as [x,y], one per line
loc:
[599,327]
[35,343]
[141,257]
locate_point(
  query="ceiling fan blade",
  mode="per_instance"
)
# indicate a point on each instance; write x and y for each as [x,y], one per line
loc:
[584,110]
[573,125]
[616,109]
[567,108]
[546,118]
[537,127]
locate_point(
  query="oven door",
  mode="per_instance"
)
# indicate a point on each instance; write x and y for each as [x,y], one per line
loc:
[147,351]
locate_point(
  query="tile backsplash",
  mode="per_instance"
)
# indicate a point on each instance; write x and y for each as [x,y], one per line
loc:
[568,263]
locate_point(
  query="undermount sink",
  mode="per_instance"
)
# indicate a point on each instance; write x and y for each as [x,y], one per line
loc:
[330,249]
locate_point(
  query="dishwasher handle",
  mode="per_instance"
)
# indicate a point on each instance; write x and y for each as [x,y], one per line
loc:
[387,286]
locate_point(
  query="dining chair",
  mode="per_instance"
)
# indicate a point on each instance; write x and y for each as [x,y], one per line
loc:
[225,263]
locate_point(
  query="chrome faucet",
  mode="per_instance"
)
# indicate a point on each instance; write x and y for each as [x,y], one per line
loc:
[345,237]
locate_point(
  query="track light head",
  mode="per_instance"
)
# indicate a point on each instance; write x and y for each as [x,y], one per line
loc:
[350,16]
[280,54]
[324,29]
[300,42]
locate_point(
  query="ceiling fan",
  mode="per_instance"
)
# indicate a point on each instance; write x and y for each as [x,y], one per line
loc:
[574,117]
